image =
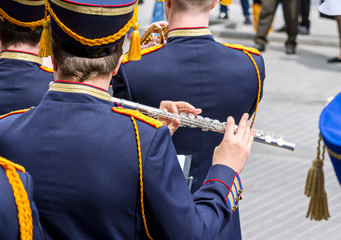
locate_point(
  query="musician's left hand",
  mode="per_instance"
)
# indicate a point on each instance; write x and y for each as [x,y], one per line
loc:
[177,107]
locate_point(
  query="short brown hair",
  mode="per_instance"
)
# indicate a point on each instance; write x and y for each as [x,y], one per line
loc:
[80,69]
[198,5]
[13,35]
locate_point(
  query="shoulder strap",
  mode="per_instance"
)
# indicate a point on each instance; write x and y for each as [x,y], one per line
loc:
[143,52]
[241,47]
[46,69]
[138,115]
[15,112]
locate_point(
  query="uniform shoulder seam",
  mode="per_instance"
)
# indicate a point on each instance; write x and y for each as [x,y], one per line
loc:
[46,69]
[138,115]
[15,112]
[143,52]
[242,48]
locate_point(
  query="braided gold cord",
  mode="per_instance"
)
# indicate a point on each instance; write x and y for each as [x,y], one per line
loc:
[141,177]
[21,200]
[20,23]
[259,85]
[96,41]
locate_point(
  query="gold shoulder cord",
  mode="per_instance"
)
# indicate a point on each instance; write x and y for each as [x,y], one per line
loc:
[19,23]
[141,177]
[259,85]
[21,199]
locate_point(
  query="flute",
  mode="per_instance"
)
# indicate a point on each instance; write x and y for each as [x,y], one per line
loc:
[205,123]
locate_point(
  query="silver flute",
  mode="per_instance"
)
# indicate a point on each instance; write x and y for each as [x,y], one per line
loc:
[205,123]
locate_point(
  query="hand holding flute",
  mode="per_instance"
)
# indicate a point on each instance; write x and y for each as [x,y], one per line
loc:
[174,108]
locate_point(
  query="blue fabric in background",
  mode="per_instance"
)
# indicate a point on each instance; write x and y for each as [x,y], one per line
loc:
[158,12]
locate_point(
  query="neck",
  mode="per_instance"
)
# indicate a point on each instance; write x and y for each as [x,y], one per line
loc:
[99,81]
[21,47]
[187,20]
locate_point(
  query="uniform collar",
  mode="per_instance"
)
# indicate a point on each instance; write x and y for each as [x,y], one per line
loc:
[189,32]
[76,87]
[21,55]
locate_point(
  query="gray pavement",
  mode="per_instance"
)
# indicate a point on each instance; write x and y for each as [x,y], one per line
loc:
[295,91]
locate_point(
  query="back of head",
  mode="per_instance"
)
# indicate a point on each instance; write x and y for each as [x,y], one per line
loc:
[87,35]
[194,5]
[21,21]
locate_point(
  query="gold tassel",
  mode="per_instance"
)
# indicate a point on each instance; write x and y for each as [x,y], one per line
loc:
[314,188]
[45,48]
[134,53]
[225,2]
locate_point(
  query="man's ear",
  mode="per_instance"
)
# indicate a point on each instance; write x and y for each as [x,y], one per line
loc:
[215,3]
[118,66]
[168,3]
[54,63]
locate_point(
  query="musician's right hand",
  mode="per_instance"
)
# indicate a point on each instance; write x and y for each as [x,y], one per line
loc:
[235,148]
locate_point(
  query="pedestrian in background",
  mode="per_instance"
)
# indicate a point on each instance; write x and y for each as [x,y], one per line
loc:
[267,14]
[333,8]
[304,25]
[158,12]
[223,14]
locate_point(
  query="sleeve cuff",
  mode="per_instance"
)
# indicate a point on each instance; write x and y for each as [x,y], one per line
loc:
[230,179]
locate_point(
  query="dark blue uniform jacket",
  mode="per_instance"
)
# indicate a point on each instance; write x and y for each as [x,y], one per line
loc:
[9,225]
[193,67]
[83,158]
[23,82]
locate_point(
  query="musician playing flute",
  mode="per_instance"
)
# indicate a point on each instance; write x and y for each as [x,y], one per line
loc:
[102,171]
[221,79]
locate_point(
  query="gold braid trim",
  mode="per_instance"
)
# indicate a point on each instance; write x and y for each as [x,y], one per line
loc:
[21,198]
[141,177]
[333,154]
[259,85]
[20,23]
[30,3]
[96,41]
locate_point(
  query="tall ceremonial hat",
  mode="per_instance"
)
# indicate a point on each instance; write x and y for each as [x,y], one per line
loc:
[330,129]
[22,15]
[330,141]
[91,28]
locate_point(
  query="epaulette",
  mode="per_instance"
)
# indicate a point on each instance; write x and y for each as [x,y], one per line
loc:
[46,69]
[138,115]
[16,166]
[15,112]
[243,48]
[143,52]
